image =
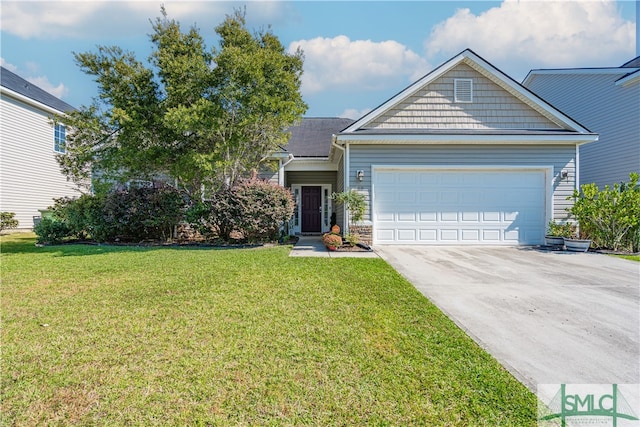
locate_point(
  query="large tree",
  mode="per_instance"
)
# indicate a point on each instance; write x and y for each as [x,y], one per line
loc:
[204,117]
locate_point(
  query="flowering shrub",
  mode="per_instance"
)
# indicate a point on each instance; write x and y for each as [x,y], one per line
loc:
[331,239]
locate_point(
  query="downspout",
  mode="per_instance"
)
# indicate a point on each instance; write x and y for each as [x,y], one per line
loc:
[345,178]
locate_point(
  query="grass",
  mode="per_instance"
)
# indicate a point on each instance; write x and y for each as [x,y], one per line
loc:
[100,335]
[630,257]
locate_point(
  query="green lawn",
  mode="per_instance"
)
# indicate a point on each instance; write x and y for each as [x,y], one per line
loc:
[100,335]
[630,257]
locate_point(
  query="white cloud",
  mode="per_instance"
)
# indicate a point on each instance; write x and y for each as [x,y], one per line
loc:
[59,90]
[94,19]
[339,62]
[537,34]
[8,65]
[353,113]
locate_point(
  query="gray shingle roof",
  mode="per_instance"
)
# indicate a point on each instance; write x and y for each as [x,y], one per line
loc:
[17,84]
[312,136]
[634,63]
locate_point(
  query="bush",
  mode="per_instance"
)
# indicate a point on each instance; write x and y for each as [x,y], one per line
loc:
[610,217]
[7,220]
[256,209]
[128,215]
[141,213]
[52,231]
[561,230]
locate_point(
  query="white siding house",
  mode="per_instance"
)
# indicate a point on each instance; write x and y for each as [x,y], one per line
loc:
[30,177]
[607,101]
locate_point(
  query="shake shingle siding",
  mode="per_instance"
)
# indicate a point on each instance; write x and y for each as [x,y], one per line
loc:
[433,107]
[560,157]
[609,109]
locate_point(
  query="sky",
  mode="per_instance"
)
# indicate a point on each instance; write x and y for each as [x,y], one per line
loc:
[357,54]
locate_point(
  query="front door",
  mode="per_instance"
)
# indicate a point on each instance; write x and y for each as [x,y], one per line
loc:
[311,209]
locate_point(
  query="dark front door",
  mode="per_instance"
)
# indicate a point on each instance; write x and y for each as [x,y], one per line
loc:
[311,209]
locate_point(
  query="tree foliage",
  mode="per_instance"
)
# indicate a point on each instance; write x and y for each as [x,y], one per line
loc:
[203,116]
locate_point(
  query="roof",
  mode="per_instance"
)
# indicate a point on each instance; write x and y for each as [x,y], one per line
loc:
[634,63]
[312,136]
[488,70]
[23,87]
[628,71]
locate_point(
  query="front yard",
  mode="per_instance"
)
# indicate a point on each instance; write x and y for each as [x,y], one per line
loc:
[105,335]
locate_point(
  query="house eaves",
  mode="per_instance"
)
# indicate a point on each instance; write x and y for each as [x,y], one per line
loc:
[467,137]
[18,88]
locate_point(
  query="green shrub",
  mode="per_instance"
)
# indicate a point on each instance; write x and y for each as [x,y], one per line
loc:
[354,202]
[561,230]
[7,220]
[610,217]
[52,231]
[256,209]
[265,208]
[141,213]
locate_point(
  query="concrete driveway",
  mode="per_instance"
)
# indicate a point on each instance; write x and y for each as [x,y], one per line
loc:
[548,317]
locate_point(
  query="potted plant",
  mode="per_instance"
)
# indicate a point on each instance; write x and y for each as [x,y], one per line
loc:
[332,241]
[557,232]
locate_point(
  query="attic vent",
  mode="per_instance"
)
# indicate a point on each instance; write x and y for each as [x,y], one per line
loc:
[463,90]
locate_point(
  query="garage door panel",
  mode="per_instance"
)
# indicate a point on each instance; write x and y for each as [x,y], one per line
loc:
[422,206]
[406,235]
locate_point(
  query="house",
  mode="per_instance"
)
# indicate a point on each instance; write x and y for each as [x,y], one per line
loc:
[308,165]
[607,101]
[465,155]
[30,177]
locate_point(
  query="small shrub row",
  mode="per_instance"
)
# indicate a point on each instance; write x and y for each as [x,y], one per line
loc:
[253,210]
[124,215]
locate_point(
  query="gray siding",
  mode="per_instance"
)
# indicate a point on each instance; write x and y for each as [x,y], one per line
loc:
[612,111]
[268,175]
[311,177]
[30,177]
[433,107]
[561,157]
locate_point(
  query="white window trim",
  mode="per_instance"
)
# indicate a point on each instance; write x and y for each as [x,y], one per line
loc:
[64,150]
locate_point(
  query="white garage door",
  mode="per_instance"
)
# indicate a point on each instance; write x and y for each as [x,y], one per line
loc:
[459,206]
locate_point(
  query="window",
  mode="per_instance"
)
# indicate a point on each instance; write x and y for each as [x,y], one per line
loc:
[59,138]
[463,90]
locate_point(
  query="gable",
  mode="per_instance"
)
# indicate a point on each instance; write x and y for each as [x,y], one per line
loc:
[434,106]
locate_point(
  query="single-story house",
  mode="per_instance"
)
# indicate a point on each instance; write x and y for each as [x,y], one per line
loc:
[465,155]
[607,100]
[30,177]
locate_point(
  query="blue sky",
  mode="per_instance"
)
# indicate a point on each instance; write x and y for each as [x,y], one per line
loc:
[357,54]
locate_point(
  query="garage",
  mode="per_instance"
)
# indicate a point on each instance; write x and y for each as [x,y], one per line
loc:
[501,206]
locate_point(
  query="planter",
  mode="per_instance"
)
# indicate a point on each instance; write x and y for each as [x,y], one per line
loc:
[555,241]
[577,245]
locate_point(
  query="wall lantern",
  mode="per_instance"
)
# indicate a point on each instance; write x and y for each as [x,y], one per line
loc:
[564,174]
[360,175]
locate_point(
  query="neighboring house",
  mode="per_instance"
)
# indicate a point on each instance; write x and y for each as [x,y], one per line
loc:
[465,155]
[607,101]
[30,177]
